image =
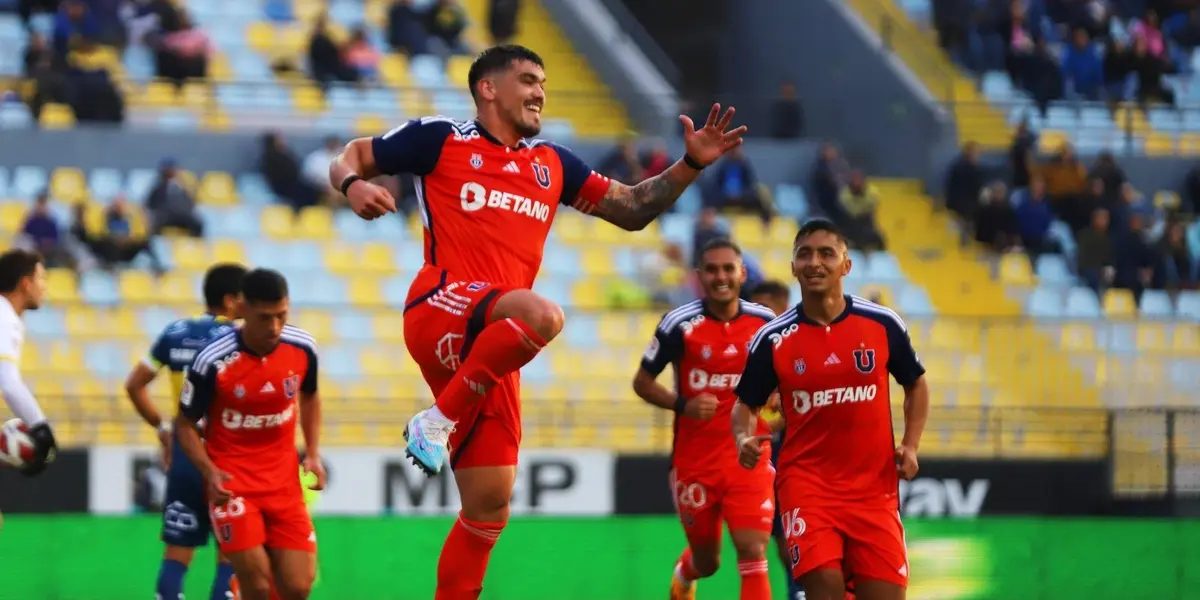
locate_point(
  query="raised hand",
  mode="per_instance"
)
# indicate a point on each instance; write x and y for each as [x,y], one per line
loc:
[711,142]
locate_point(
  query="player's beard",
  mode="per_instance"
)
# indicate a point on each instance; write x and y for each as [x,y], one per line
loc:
[528,130]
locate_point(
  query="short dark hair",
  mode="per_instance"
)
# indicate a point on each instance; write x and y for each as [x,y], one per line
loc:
[16,264]
[264,285]
[718,244]
[498,58]
[772,288]
[224,279]
[812,226]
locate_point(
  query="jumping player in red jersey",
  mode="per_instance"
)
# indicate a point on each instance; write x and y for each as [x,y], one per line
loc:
[706,341]
[248,384]
[839,466]
[488,196]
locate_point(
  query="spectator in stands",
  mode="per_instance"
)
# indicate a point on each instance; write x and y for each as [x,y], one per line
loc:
[325,60]
[1117,66]
[787,116]
[1019,45]
[1135,258]
[404,31]
[1082,67]
[1148,31]
[502,20]
[445,22]
[737,187]
[27,8]
[93,94]
[36,53]
[656,160]
[1035,217]
[827,180]
[1176,269]
[964,184]
[1131,202]
[1043,75]
[41,233]
[50,85]
[1021,154]
[1188,33]
[282,172]
[316,169]
[118,245]
[1150,70]
[859,200]
[184,52]
[1079,214]
[996,226]
[708,228]
[360,55]
[1096,254]
[74,20]
[1066,179]
[664,274]
[622,163]
[1107,169]
[171,204]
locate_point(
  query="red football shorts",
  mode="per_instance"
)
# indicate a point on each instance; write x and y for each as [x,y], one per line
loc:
[864,543]
[442,317]
[741,499]
[275,521]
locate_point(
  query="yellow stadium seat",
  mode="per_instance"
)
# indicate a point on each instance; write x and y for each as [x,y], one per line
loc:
[570,227]
[228,251]
[388,326]
[316,222]
[1078,337]
[1166,200]
[215,119]
[190,254]
[308,99]
[416,229]
[277,221]
[218,189]
[175,288]
[613,329]
[589,294]
[364,290]
[218,67]
[597,262]
[341,258]
[68,185]
[138,286]
[1118,303]
[32,357]
[260,36]
[1015,269]
[85,321]
[1152,337]
[319,323]
[61,285]
[378,257]
[159,94]
[748,230]
[12,216]
[66,357]
[393,70]
[1186,340]
[1159,144]
[57,116]
[195,94]
[457,68]
[367,125]
[377,362]
[1189,144]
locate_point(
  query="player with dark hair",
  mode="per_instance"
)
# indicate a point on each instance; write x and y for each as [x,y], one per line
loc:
[246,384]
[706,342]
[775,296]
[839,467]
[488,196]
[186,524]
[22,288]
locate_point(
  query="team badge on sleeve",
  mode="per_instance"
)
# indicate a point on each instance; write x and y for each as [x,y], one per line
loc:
[652,350]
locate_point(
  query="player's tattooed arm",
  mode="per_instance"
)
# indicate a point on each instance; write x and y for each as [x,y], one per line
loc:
[633,207]
[916,412]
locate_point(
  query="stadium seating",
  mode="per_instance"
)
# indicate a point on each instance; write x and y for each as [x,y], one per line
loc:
[243,90]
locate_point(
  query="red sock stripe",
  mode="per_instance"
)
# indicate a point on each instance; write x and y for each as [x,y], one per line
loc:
[487,531]
[747,567]
[532,340]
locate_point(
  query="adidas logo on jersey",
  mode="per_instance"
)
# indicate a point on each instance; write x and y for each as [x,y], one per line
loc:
[267,389]
[731,350]
[832,360]
[512,167]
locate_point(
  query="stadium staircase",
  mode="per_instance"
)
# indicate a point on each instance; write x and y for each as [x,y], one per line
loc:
[1001,381]
[975,119]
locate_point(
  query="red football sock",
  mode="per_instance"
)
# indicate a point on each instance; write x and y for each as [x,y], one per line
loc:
[501,348]
[464,559]
[755,583]
[684,568]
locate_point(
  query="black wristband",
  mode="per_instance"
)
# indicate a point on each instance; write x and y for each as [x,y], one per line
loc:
[349,181]
[680,405]
[691,162]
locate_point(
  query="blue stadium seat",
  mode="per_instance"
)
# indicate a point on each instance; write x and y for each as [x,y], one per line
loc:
[153,320]
[581,331]
[42,24]
[625,263]
[914,302]
[1156,303]
[178,120]
[14,115]
[1061,232]
[791,201]
[349,226]
[1117,338]
[882,267]
[138,184]
[101,359]
[388,229]
[561,261]
[105,183]
[353,326]
[427,71]
[1052,269]
[538,371]
[410,255]
[46,322]
[254,190]
[1044,303]
[1189,305]
[248,66]
[139,60]
[3,182]
[677,228]
[319,289]
[560,130]
[340,362]
[1183,374]
[689,202]
[98,288]
[997,86]
[240,222]
[1164,119]
[553,290]
[28,182]
[453,104]
[1082,304]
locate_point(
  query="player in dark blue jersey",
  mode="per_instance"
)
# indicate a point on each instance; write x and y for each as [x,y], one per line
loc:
[775,296]
[185,509]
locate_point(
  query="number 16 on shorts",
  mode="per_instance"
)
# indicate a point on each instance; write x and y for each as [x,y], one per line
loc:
[793,528]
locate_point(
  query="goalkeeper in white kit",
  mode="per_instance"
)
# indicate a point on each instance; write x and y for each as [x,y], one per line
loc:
[22,288]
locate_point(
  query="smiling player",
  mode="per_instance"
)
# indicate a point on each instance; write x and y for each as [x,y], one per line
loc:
[706,341]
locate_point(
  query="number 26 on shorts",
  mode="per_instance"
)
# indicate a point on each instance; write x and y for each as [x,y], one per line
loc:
[233,509]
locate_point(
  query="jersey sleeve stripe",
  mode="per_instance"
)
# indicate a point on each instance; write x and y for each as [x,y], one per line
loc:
[299,337]
[776,324]
[215,351]
[673,318]
[883,311]
[758,310]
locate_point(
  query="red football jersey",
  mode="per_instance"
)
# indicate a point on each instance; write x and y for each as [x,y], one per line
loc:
[250,405]
[709,356]
[833,383]
[486,207]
